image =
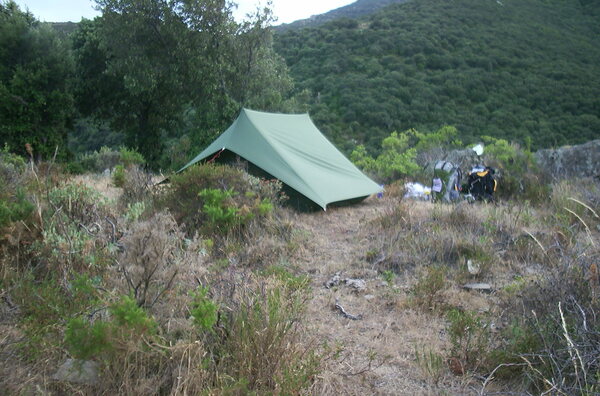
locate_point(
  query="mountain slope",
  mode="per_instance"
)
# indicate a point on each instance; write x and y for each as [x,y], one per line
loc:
[516,69]
[357,9]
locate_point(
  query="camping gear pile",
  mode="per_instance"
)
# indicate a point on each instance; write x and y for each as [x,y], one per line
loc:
[446,183]
[417,191]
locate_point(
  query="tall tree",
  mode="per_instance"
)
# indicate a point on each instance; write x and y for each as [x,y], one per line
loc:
[146,63]
[36,104]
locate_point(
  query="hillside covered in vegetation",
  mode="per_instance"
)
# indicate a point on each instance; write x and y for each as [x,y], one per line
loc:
[527,71]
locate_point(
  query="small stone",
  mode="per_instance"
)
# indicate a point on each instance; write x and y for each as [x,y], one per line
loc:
[78,371]
[369,297]
[473,267]
[334,281]
[357,284]
[485,287]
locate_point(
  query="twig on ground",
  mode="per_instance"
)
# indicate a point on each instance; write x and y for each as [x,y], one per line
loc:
[346,314]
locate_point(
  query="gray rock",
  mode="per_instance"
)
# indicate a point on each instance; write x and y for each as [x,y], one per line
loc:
[485,287]
[334,281]
[571,161]
[78,371]
[106,172]
[357,284]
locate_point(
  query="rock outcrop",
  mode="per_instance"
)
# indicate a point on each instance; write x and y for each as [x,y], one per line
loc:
[571,161]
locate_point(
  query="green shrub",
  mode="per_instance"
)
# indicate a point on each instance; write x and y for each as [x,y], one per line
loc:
[395,161]
[518,174]
[203,309]
[107,158]
[430,362]
[45,304]
[85,340]
[426,292]
[118,176]
[98,161]
[14,208]
[130,157]
[216,199]
[291,281]
[127,313]
[78,202]
[128,323]
[262,348]
[469,339]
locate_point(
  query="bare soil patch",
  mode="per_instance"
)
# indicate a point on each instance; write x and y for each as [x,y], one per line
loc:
[376,354]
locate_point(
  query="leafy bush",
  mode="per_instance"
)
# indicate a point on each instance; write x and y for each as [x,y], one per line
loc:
[395,161]
[14,203]
[426,292]
[203,309]
[262,349]
[46,303]
[85,340]
[14,208]
[107,158]
[118,176]
[217,199]
[98,161]
[128,323]
[518,174]
[130,157]
[469,339]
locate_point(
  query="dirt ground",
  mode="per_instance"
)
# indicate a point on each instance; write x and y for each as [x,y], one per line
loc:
[374,355]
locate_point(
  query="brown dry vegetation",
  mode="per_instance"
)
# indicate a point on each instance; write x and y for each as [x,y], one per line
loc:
[277,328]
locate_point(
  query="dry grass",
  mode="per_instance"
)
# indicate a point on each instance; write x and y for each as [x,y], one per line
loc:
[388,243]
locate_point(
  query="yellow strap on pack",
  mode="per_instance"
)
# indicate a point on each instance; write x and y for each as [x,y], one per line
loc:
[482,174]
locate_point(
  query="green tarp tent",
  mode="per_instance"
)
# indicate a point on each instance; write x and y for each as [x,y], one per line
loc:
[292,149]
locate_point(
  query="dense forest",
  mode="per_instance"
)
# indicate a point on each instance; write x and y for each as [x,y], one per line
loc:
[526,70]
[162,77]
[357,9]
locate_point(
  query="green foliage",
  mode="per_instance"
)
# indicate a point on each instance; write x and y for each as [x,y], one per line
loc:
[108,158]
[430,363]
[218,199]
[44,304]
[262,347]
[203,309]
[395,161]
[426,292]
[86,341]
[291,281]
[469,338]
[36,103]
[118,176]
[134,211]
[130,157]
[446,137]
[127,313]
[217,207]
[388,276]
[400,68]
[172,69]
[14,208]
[518,174]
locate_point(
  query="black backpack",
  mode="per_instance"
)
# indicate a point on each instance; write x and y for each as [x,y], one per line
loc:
[481,183]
